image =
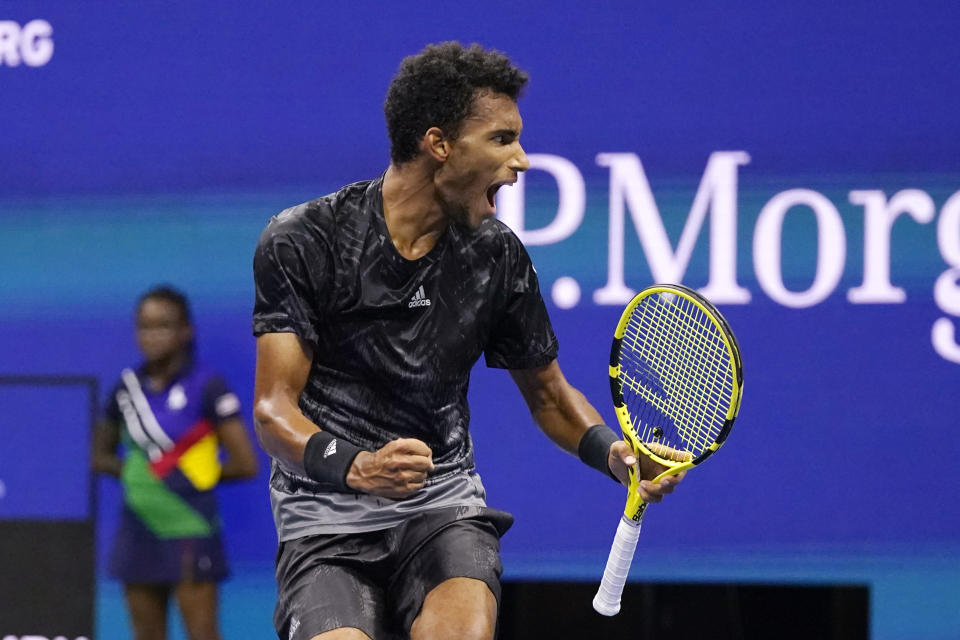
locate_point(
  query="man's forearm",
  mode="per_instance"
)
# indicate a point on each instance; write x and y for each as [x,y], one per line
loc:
[283,431]
[564,414]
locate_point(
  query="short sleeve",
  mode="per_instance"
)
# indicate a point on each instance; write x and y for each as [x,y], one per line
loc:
[290,269]
[220,403]
[522,336]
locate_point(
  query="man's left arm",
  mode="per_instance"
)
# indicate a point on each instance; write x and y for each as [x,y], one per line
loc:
[566,416]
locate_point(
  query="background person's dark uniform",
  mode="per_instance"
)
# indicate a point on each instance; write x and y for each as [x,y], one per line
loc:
[394,342]
[169,529]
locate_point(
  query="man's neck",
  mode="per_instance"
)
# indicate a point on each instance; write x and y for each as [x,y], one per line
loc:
[414,217]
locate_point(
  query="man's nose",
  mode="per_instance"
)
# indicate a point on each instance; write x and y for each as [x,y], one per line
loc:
[520,162]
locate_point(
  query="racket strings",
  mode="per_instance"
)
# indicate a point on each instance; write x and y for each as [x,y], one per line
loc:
[693,368]
[658,418]
[676,374]
[702,363]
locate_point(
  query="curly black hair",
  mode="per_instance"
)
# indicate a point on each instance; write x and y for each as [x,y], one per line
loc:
[436,88]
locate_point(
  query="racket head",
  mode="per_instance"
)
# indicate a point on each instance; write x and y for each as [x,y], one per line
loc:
[676,378]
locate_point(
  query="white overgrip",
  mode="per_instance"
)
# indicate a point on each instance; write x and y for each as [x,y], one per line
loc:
[607,600]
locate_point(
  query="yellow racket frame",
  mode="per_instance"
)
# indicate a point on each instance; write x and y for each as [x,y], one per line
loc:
[635,504]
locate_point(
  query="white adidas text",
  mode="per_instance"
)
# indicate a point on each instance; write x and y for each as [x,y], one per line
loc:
[420,299]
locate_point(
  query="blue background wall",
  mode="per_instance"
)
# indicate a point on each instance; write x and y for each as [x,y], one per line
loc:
[158,138]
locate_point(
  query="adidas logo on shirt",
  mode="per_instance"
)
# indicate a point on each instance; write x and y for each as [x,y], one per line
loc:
[420,299]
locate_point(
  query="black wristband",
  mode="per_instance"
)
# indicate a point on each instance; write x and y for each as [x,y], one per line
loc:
[594,448]
[327,459]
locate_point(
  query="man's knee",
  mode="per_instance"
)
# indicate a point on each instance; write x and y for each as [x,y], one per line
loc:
[447,625]
[458,609]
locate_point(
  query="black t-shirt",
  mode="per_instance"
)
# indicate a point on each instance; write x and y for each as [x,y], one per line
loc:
[394,340]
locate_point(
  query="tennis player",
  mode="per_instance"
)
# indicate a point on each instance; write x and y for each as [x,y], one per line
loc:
[372,305]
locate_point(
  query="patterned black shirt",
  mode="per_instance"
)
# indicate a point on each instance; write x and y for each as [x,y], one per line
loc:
[393,339]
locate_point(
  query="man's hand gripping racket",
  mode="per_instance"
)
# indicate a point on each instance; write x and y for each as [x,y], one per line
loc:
[676,381]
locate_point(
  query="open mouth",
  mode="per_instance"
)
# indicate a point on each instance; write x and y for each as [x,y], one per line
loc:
[492,193]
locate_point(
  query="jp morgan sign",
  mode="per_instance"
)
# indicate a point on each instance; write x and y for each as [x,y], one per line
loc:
[716,199]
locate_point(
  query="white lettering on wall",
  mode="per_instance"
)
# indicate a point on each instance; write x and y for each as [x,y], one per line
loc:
[629,189]
[946,290]
[31,44]
[717,199]
[767,244]
[878,218]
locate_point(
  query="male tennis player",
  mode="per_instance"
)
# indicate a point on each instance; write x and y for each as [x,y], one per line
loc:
[372,305]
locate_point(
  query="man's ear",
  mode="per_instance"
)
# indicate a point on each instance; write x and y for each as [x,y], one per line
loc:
[435,144]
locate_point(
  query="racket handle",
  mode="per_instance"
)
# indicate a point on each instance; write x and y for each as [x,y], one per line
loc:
[607,600]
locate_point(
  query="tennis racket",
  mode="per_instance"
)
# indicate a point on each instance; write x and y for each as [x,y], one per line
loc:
[676,380]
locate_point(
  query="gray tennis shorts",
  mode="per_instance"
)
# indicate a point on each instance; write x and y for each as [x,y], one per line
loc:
[377,581]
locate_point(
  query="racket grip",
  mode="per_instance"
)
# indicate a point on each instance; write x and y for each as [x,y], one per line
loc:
[607,600]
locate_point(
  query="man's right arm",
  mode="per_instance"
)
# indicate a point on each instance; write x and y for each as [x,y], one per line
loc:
[283,365]
[396,470]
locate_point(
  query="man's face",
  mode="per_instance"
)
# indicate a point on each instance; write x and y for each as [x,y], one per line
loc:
[485,156]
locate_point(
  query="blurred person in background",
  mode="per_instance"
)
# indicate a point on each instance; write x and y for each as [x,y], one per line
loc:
[174,416]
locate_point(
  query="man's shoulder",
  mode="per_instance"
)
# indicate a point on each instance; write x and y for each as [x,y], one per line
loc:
[493,238]
[319,217]
[501,232]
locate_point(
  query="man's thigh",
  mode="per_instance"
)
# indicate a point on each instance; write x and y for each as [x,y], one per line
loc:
[378,582]
[452,577]
[324,584]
